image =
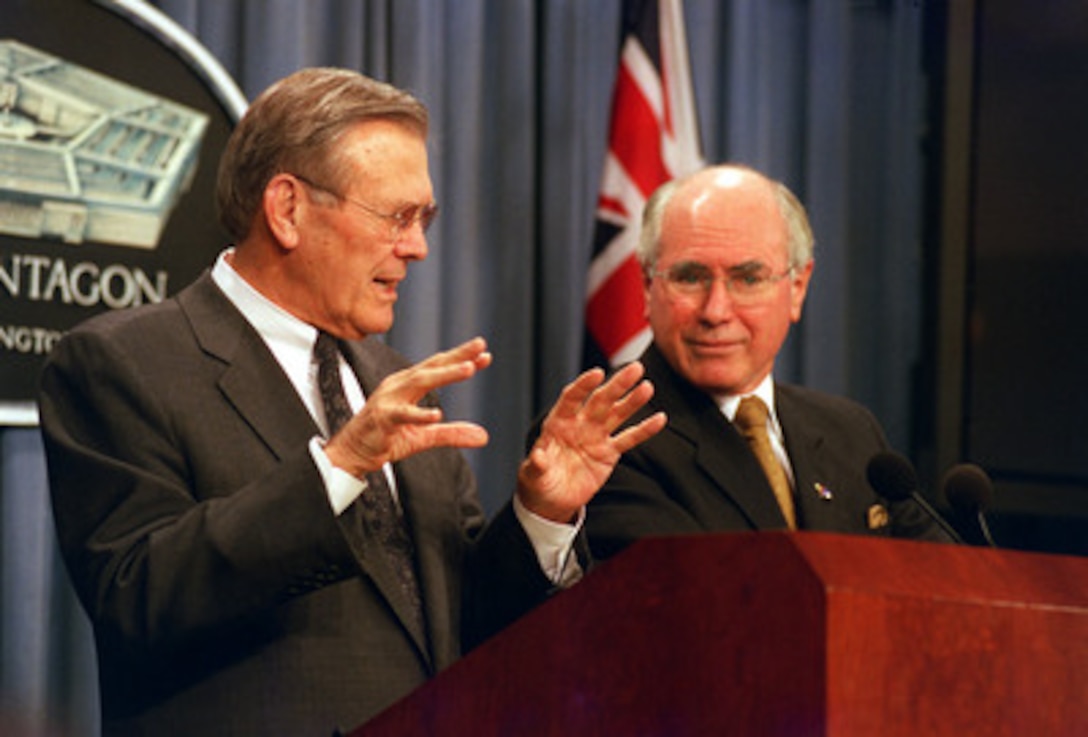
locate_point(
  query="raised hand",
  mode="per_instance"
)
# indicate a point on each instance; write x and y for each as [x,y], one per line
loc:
[392,425]
[578,444]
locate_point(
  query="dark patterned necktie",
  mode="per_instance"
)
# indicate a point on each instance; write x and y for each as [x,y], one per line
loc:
[381,517]
[333,398]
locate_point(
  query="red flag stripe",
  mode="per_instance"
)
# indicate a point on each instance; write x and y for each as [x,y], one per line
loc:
[616,311]
[612,206]
[636,135]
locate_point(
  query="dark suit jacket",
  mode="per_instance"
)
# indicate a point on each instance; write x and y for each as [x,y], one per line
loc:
[226,597]
[698,474]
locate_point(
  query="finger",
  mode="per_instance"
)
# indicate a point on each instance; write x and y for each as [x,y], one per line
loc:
[600,406]
[619,384]
[617,400]
[456,435]
[533,466]
[482,361]
[473,352]
[634,400]
[413,414]
[413,383]
[470,350]
[639,433]
[575,393]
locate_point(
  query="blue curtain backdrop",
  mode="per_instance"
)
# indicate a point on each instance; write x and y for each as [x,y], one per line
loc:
[824,94]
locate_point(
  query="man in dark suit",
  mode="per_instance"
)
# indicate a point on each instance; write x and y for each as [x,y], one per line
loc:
[727,254]
[261,506]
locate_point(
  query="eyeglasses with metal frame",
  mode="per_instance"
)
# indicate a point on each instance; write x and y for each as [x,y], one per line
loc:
[401,220]
[747,283]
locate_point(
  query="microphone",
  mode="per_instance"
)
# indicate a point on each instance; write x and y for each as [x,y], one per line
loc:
[969,490]
[893,477]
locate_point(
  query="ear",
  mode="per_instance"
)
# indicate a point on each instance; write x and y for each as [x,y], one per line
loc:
[798,290]
[282,204]
[647,283]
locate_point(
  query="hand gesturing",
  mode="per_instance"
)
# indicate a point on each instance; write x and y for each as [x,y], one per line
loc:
[577,450]
[392,425]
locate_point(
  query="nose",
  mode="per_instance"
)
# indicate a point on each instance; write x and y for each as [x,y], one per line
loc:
[412,243]
[718,305]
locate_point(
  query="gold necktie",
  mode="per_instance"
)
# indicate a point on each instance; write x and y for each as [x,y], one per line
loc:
[751,420]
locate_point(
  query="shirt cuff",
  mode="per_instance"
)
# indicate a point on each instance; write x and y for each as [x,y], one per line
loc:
[553,543]
[341,487]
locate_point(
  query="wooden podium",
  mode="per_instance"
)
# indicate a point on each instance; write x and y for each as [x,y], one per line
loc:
[792,634]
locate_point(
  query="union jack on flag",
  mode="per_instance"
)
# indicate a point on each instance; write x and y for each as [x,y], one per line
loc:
[653,137]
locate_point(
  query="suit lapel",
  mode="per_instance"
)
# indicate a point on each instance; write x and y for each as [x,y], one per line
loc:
[720,451]
[375,563]
[821,503]
[802,440]
[424,515]
[251,374]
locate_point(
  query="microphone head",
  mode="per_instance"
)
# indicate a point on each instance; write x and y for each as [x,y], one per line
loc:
[968,488]
[892,476]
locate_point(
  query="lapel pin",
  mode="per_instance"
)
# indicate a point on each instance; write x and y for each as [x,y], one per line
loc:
[878,517]
[823,491]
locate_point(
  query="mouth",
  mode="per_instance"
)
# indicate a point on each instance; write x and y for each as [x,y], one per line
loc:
[715,347]
[388,284]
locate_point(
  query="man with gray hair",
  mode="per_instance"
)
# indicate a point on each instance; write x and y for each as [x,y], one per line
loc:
[727,255]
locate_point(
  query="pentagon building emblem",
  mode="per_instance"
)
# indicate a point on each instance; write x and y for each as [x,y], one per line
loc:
[87,158]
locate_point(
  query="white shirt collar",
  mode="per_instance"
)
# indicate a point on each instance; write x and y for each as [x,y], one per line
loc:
[281,330]
[765,391]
